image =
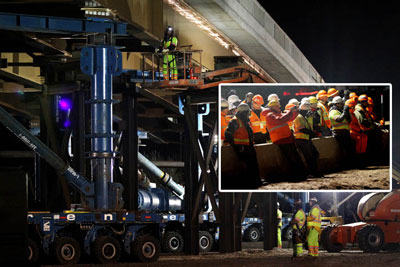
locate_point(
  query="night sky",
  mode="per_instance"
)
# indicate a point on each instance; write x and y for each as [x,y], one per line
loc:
[352,41]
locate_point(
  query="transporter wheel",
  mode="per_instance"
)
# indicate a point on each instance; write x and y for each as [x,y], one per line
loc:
[370,238]
[205,241]
[33,251]
[172,242]
[146,248]
[106,249]
[66,250]
[287,233]
[327,242]
[252,234]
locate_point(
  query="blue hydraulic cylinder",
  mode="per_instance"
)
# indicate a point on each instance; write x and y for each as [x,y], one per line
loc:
[101,62]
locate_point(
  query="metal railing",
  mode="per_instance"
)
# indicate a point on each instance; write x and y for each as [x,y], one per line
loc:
[187,67]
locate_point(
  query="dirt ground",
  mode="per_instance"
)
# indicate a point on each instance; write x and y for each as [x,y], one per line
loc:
[372,177]
[276,257]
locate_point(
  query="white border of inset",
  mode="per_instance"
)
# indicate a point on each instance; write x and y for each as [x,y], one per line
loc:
[305,84]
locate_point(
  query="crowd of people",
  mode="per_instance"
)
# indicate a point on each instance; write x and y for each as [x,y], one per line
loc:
[350,119]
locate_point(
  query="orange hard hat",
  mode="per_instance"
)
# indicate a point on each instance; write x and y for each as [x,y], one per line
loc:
[352,94]
[332,92]
[321,93]
[351,103]
[363,98]
[258,99]
[289,106]
[370,101]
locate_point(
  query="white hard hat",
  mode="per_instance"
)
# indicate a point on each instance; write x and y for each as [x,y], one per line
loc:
[273,97]
[294,101]
[233,98]
[224,104]
[337,100]
[243,107]
[305,100]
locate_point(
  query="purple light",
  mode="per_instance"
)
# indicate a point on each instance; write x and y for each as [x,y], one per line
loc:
[67,123]
[65,104]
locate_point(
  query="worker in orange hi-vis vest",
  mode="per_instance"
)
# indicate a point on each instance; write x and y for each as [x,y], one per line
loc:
[292,103]
[239,135]
[224,118]
[281,135]
[356,133]
[257,121]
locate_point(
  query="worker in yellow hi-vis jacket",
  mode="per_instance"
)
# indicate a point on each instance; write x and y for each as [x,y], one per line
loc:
[313,227]
[168,46]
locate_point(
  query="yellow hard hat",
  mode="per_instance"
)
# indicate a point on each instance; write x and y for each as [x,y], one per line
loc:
[273,103]
[313,100]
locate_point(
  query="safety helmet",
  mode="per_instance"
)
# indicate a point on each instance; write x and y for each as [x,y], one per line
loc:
[314,199]
[322,95]
[313,100]
[273,103]
[273,97]
[258,99]
[277,204]
[352,94]
[332,92]
[305,100]
[294,101]
[243,107]
[351,103]
[224,104]
[249,95]
[289,106]
[305,106]
[363,98]
[337,100]
[370,101]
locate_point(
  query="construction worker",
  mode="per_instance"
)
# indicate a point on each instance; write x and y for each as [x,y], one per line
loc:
[292,102]
[322,98]
[340,119]
[248,98]
[370,109]
[346,95]
[314,117]
[239,135]
[224,117]
[257,121]
[279,214]
[313,227]
[233,101]
[303,134]
[356,133]
[168,46]
[332,92]
[367,125]
[299,230]
[281,135]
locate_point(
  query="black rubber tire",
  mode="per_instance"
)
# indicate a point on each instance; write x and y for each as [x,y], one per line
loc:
[106,249]
[327,243]
[206,241]
[33,252]
[287,233]
[145,248]
[252,234]
[66,250]
[172,242]
[370,238]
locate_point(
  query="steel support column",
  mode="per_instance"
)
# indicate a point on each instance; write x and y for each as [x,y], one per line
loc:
[191,180]
[269,207]
[130,147]
[230,229]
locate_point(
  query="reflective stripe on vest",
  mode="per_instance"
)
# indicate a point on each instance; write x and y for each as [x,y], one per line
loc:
[344,125]
[257,123]
[241,136]
[301,219]
[298,124]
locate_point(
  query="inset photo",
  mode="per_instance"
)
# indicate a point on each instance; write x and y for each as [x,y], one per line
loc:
[290,137]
